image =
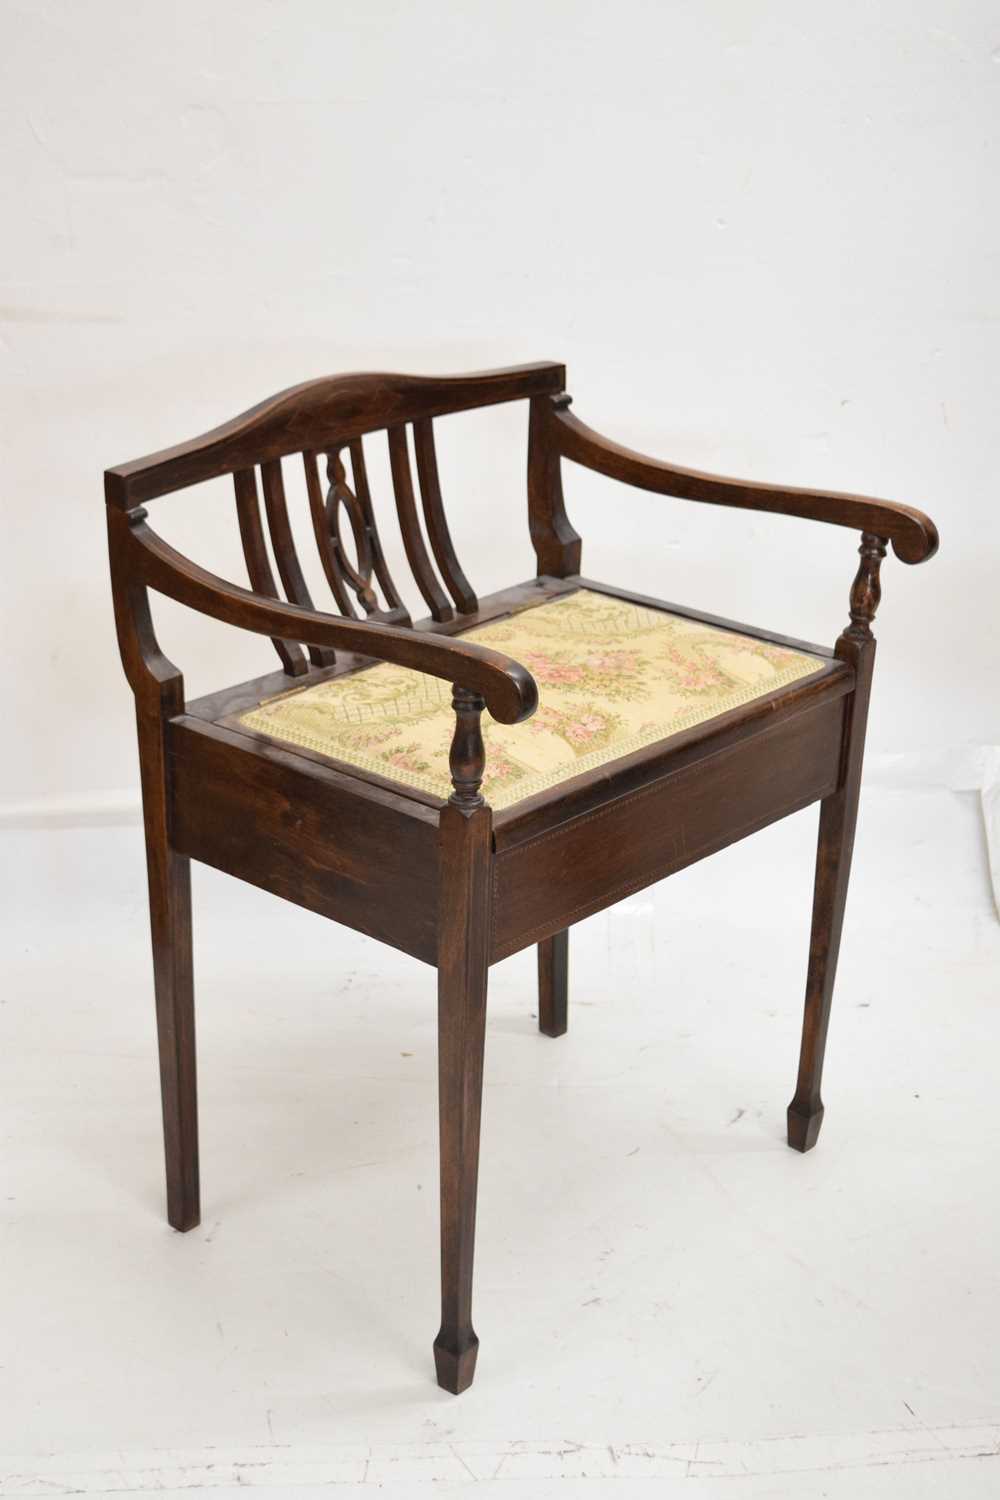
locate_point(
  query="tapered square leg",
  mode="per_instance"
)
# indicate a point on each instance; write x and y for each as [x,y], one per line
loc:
[170,922]
[456,1368]
[175,1035]
[466,835]
[553,984]
[803,1130]
[838,818]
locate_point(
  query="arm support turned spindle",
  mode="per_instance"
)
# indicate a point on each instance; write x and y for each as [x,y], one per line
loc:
[467,757]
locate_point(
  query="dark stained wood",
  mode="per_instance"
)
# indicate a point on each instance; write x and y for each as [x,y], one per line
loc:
[592,790]
[258,564]
[362,493]
[169,876]
[467,756]
[341,572]
[837,823]
[557,546]
[451,883]
[409,524]
[589,862]
[283,542]
[464,925]
[237,699]
[317,415]
[914,536]
[364,856]
[329,556]
[509,689]
[437,524]
[341,499]
[866,590]
[553,984]
[159,692]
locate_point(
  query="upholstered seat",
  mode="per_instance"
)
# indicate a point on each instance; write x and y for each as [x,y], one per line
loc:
[612,677]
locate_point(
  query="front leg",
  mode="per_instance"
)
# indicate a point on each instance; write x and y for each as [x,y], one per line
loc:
[837,821]
[169,877]
[466,837]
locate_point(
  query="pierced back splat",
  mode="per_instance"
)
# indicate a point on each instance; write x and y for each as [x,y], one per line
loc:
[370,562]
[324,418]
[338,573]
[352,571]
[362,493]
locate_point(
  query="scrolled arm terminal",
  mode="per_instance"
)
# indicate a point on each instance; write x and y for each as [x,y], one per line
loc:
[913,535]
[508,688]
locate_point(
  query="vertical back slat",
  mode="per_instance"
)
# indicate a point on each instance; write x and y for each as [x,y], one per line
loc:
[258,565]
[409,524]
[437,525]
[324,542]
[285,554]
[359,473]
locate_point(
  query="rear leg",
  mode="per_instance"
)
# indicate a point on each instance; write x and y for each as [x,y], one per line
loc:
[553,983]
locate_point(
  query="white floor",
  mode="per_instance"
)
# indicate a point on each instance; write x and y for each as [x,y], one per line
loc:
[669,1301]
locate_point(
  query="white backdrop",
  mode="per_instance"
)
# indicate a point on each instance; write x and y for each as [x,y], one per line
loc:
[763,237]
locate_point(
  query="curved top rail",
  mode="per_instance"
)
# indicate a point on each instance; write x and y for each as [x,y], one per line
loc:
[913,535]
[335,408]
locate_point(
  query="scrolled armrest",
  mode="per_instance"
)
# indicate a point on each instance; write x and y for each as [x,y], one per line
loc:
[913,535]
[508,688]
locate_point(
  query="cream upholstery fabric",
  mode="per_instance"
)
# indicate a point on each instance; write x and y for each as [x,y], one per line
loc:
[612,677]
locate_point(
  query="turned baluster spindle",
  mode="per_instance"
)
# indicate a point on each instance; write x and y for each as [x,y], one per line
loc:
[866,590]
[467,757]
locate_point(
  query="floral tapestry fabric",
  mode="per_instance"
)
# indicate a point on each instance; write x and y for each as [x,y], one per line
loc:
[612,677]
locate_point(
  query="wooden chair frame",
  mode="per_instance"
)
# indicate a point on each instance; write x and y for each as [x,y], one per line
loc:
[453,882]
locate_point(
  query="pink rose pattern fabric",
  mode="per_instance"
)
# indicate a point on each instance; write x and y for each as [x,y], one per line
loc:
[612,677]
